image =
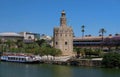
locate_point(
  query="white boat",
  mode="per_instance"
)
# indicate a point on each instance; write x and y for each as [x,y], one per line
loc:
[20,58]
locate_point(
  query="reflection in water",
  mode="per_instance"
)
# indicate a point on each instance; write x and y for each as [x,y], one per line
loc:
[62,71]
[44,70]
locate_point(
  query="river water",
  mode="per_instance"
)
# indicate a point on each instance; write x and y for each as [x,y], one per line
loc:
[8,69]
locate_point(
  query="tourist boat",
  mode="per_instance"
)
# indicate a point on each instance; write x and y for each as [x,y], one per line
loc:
[20,58]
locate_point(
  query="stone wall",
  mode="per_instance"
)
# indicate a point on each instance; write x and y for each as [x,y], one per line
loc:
[86,62]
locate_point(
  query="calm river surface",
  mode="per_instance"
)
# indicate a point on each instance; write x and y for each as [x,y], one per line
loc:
[47,70]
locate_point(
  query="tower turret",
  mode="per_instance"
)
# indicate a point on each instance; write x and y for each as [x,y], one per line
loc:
[63,19]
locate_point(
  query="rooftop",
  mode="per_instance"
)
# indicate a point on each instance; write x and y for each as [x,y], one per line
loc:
[10,34]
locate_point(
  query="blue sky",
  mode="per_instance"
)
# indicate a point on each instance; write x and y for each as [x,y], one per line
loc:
[41,16]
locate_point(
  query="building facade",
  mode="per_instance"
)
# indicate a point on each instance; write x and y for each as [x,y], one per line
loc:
[10,36]
[30,37]
[48,39]
[63,36]
[108,42]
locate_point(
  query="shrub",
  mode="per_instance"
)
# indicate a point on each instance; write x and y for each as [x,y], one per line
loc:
[111,60]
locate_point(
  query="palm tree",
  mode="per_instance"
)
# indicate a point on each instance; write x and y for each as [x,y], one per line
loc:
[83,30]
[102,31]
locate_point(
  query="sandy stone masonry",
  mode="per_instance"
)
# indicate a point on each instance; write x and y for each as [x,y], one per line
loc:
[63,36]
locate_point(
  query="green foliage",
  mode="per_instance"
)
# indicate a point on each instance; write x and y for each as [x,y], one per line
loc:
[77,50]
[50,51]
[111,60]
[88,52]
[41,42]
[39,47]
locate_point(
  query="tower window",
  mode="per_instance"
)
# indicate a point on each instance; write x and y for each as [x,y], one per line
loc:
[56,43]
[29,37]
[65,43]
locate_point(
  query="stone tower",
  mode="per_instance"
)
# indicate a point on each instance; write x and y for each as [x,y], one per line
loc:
[63,36]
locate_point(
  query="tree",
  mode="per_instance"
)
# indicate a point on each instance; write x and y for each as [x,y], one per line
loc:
[91,52]
[40,47]
[88,52]
[77,51]
[83,30]
[40,42]
[1,45]
[10,44]
[111,60]
[55,52]
[20,43]
[102,31]
[0,41]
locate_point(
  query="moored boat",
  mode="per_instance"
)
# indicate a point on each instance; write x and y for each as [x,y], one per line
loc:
[20,58]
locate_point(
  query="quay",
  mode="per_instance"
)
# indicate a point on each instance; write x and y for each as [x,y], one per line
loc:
[68,60]
[96,62]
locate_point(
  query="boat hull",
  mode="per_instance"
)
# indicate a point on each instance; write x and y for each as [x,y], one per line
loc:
[20,59]
[26,62]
